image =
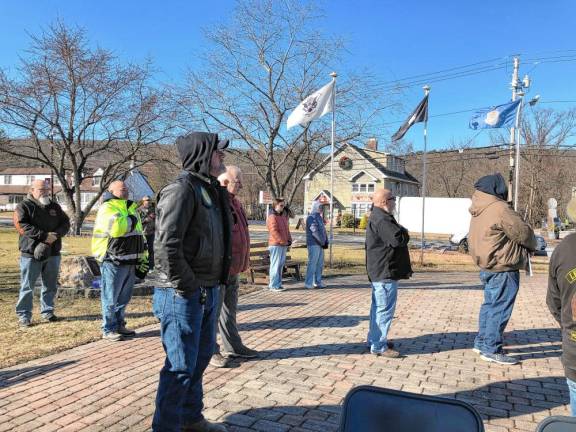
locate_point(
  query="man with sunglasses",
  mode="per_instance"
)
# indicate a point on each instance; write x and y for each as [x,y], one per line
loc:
[387,261]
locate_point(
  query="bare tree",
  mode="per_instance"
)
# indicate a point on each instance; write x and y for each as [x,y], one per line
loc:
[74,105]
[546,168]
[256,70]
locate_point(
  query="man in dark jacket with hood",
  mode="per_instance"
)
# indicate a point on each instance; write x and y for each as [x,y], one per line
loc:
[193,254]
[387,261]
[561,300]
[499,242]
[41,224]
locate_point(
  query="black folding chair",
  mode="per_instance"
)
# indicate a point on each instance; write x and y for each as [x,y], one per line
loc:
[373,409]
[557,424]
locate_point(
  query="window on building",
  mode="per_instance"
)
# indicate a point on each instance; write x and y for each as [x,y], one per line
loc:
[96,181]
[30,179]
[363,187]
[359,209]
[7,179]
[15,199]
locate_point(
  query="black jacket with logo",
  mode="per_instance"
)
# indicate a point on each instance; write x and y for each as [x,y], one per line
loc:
[34,221]
[561,299]
[193,221]
[387,255]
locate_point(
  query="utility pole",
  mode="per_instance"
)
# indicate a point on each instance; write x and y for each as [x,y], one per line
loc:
[515,86]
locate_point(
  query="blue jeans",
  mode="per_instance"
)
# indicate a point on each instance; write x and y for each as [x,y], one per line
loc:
[30,270]
[315,266]
[115,294]
[277,260]
[500,290]
[384,295]
[572,388]
[188,331]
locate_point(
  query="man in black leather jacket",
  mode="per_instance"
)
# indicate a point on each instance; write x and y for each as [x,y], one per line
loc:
[387,262]
[193,253]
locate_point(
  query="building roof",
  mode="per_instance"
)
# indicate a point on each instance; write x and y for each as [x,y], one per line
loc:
[372,156]
[25,171]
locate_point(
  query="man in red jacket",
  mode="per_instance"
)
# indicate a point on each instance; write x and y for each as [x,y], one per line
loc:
[231,340]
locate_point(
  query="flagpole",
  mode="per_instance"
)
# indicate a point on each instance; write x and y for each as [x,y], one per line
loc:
[426,92]
[333,75]
[517,167]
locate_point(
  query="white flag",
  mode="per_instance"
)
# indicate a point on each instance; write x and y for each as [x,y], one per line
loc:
[313,107]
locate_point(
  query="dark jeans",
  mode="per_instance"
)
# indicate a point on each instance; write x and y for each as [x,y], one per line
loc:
[500,290]
[188,331]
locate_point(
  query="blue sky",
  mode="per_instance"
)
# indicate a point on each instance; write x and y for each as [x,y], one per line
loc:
[393,39]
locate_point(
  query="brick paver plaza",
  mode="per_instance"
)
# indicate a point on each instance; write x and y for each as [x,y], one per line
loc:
[313,353]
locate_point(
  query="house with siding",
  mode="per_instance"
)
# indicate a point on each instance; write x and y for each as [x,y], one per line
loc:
[15,183]
[358,172]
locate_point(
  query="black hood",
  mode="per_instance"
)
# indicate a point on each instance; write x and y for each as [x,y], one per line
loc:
[493,184]
[195,150]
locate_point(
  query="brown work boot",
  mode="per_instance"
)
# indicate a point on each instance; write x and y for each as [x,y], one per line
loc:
[205,426]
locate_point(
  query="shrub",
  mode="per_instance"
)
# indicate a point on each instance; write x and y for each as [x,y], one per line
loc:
[363,222]
[347,220]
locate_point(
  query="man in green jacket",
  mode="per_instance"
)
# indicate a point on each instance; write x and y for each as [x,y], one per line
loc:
[119,246]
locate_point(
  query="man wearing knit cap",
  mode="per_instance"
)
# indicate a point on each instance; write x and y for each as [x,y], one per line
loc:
[500,243]
[561,300]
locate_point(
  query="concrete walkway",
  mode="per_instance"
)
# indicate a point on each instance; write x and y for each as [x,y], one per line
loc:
[312,354]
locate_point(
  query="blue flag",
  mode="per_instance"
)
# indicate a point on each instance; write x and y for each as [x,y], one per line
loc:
[495,117]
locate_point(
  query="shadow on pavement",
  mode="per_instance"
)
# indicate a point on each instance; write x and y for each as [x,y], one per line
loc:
[424,344]
[334,321]
[17,376]
[439,342]
[502,399]
[256,306]
[97,317]
[415,285]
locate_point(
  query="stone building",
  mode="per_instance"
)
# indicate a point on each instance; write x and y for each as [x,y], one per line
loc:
[358,172]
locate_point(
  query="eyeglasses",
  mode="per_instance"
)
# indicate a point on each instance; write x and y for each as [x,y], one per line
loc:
[391,199]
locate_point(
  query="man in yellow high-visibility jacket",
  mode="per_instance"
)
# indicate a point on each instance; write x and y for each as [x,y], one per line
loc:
[119,246]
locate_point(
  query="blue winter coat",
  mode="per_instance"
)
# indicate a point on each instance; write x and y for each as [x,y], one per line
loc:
[315,230]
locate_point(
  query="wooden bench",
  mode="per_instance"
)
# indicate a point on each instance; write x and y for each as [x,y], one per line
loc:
[260,262]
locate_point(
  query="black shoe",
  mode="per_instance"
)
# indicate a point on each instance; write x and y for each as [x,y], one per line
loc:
[125,331]
[244,352]
[51,318]
[204,426]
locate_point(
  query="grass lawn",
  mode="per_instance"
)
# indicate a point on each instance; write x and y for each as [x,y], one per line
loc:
[82,316]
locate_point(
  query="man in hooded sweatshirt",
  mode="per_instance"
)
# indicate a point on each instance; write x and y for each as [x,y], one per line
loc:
[41,224]
[193,255]
[499,242]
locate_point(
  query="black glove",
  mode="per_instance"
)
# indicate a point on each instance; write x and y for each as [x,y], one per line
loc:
[142,270]
[325,245]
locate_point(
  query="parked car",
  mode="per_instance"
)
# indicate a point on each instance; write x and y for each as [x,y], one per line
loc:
[461,240]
